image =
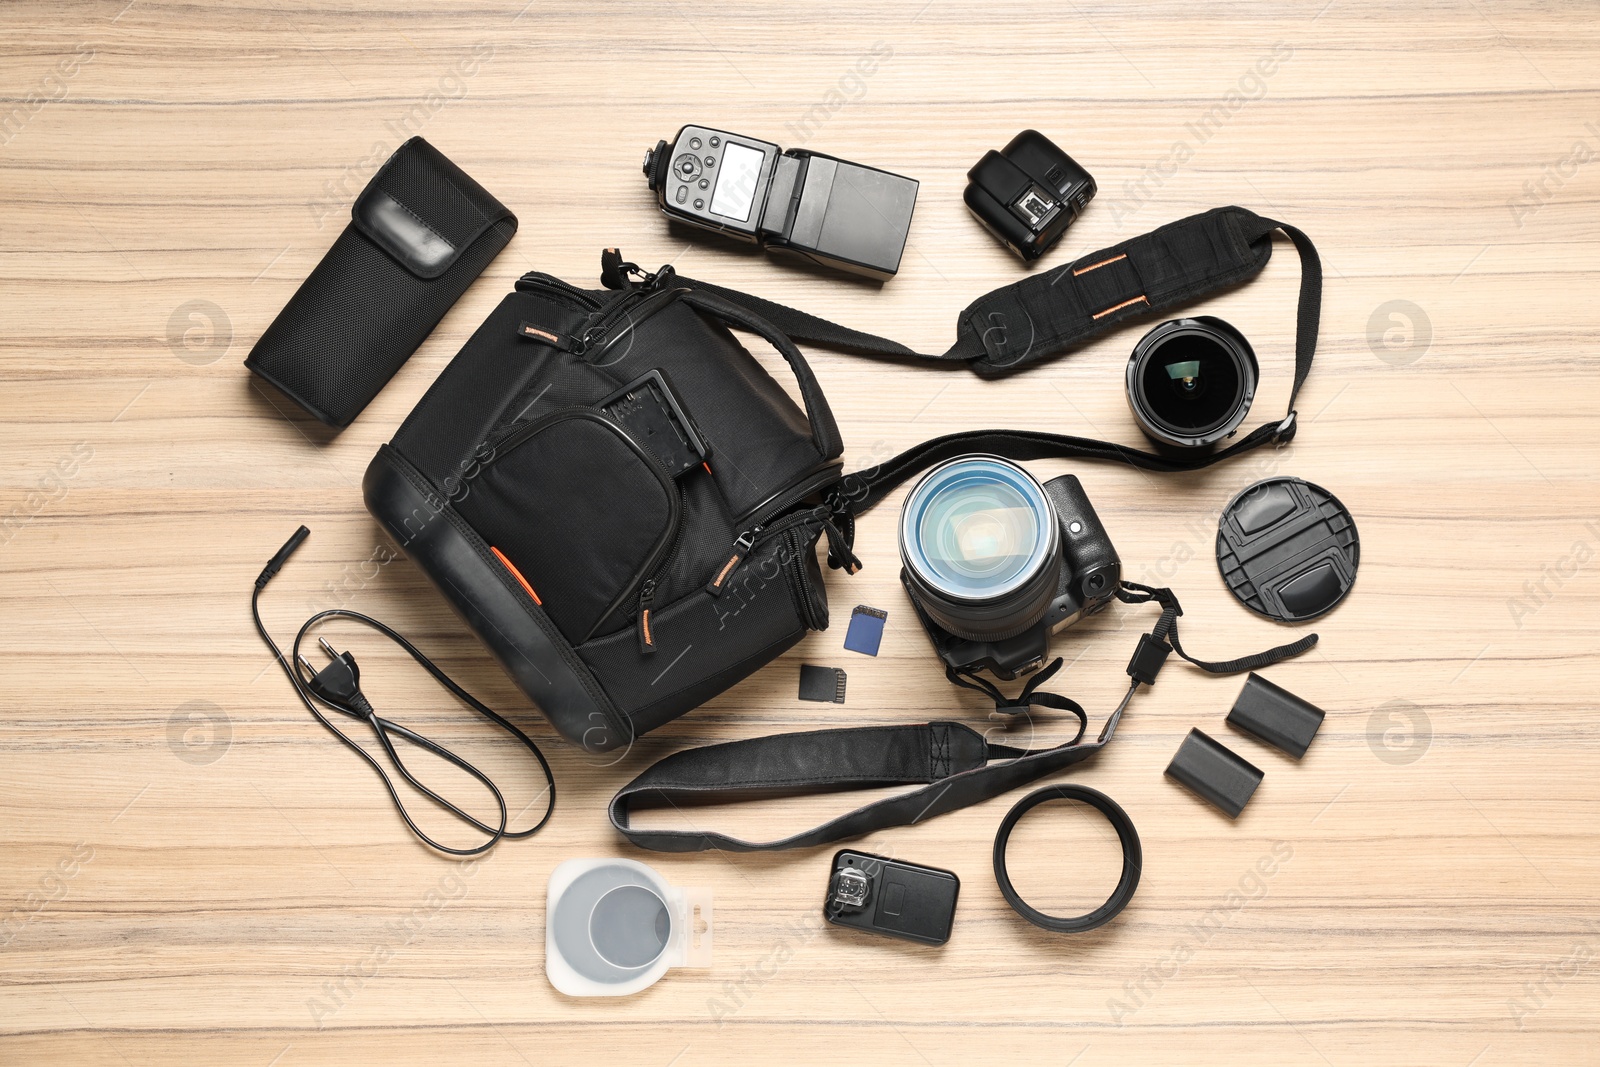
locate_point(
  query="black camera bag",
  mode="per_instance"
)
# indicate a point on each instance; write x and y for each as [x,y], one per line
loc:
[619,597]
[543,521]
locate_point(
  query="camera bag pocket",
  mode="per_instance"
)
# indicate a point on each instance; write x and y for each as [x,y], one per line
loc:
[580,510]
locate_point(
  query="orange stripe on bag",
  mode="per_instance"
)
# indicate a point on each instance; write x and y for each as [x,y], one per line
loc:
[722,575]
[501,556]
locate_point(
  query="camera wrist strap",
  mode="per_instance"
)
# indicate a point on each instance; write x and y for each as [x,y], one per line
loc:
[955,765]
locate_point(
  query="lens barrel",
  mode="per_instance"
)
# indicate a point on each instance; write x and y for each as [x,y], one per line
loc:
[981,547]
[1190,382]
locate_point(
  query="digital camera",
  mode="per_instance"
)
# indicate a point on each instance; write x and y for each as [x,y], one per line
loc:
[995,562]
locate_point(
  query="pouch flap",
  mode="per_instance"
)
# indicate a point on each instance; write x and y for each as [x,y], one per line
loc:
[424,211]
[581,511]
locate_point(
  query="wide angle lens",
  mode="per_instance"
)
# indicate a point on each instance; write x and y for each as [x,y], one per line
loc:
[1190,382]
[981,547]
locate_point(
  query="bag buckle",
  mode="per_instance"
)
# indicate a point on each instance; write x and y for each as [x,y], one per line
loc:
[1283,433]
[1010,713]
[618,273]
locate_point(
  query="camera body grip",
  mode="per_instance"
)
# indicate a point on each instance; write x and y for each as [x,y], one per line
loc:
[1092,568]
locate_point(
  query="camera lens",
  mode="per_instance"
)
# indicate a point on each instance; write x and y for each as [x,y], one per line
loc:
[981,547]
[1190,382]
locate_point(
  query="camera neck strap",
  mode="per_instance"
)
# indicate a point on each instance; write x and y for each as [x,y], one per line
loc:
[1047,314]
[954,765]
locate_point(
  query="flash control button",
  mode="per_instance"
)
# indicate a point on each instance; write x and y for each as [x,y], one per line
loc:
[687,166]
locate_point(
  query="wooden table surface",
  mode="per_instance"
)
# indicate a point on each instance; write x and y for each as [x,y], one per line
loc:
[194,871]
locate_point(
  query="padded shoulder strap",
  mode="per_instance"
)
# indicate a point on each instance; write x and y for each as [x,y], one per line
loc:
[1047,314]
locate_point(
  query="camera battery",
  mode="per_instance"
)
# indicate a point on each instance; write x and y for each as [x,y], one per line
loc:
[1276,716]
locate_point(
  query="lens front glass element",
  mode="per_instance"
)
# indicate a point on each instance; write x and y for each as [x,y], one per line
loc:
[977,528]
[1191,383]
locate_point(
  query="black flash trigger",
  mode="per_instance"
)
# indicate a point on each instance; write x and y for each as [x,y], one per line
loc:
[1028,193]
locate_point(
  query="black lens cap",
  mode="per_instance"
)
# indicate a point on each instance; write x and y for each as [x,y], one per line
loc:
[1287,549]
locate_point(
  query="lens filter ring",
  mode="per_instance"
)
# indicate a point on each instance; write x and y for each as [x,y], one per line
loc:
[1190,382]
[1132,859]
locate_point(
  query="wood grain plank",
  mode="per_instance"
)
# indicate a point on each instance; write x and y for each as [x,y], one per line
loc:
[259,902]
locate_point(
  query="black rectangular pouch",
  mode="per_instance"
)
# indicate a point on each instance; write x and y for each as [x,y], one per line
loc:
[419,233]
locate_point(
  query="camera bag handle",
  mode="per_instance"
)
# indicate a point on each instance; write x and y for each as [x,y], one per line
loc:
[955,765]
[1045,315]
[824,430]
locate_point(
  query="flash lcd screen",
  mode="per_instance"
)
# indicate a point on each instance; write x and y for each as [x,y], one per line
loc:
[736,185]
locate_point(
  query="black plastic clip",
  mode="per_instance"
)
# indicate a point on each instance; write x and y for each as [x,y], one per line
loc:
[618,273]
[1148,659]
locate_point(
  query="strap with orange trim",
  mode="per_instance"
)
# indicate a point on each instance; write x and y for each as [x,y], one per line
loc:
[1053,312]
